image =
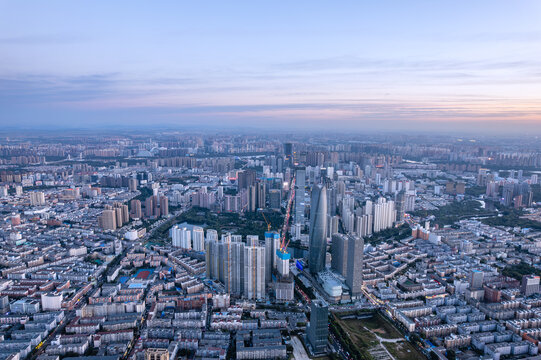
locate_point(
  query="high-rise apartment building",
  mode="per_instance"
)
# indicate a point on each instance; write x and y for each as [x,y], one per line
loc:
[254,272]
[135,206]
[151,206]
[275,199]
[198,239]
[132,184]
[384,214]
[107,219]
[529,285]
[181,237]
[164,206]
[245,179]
[37,198]
[119,217]
[239,266]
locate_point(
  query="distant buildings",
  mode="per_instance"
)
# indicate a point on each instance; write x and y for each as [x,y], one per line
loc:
[156,354]
[37,198]
[384,214]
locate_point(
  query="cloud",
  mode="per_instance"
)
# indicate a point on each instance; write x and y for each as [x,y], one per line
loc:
[50,39]
[386,64]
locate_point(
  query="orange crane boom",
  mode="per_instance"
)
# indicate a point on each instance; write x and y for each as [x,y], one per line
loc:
[268,224]
[283,245]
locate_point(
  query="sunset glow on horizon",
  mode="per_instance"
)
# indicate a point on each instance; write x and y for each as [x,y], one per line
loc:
[353,65]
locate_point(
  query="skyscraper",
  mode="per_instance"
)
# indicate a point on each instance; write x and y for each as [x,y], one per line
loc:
[354,275]
[271,241]
[318,229]
[318,330]
[339,251]
[288,150]
[246,178]
[300,183]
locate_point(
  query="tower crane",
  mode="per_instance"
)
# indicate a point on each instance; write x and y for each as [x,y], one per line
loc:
[268,223]
[283,244]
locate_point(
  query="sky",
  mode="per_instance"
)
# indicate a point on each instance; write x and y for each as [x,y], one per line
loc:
[349,65]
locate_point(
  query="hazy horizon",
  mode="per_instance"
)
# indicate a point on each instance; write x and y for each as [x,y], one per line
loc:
[415,66]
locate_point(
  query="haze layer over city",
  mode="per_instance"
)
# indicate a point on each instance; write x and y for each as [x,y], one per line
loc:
[270,180]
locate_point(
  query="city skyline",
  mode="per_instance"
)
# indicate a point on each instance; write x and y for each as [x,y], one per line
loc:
[361,66]
[270,180]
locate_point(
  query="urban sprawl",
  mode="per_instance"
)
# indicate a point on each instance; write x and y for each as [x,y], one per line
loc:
[174,245]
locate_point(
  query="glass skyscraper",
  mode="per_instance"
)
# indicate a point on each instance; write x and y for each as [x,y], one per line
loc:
[318,229]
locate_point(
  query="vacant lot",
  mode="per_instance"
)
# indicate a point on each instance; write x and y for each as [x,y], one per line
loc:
[403,350]
[378,337]
[380,326]
[358,334]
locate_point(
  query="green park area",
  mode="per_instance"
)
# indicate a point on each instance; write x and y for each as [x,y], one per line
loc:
[250,223]
[512,218]
[403,350]
[517,271]
[393,233]
[450,213]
